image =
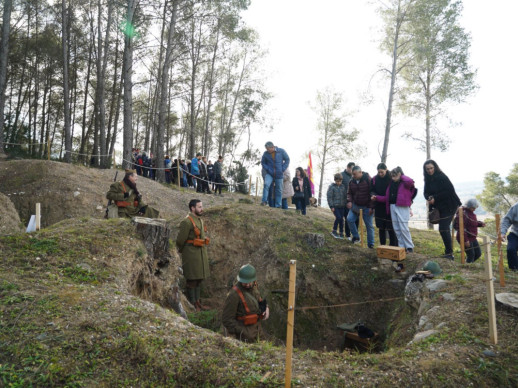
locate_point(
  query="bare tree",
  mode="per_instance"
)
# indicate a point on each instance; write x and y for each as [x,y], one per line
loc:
[4,52]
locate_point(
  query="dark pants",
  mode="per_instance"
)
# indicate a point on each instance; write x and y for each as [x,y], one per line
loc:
[339,219]
[271,195]
[300,204]
[219,184]
[512,251]
[473,252]
[445,231]
[347,230]
[385,226]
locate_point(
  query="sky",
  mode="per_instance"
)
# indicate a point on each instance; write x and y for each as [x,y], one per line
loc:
[312,45]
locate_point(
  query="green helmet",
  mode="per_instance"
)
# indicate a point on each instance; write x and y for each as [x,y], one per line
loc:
[246,274]
[433,267]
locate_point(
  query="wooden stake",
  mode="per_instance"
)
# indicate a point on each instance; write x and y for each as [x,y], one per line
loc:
[461,235]
[361,228]
[38,216]
[493,335]
[500,253]
[291,323]
[250,185]
[256,187]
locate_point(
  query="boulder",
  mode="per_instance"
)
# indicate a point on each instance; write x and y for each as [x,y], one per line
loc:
[9,219]
[436,285]
[422,335]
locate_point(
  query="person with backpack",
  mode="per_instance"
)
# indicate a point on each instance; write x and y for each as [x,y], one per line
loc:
[398,200]
[244,308]
[382,218]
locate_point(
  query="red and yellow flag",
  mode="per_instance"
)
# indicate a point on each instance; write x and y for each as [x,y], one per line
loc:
[310,175]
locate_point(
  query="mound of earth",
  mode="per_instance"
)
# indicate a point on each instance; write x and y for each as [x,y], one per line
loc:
[70,191]
[9,220]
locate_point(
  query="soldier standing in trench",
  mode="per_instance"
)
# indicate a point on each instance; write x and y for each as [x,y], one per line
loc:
[244,308]
[192,244]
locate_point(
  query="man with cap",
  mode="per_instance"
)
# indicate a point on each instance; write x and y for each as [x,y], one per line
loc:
[274,161]
[192,244]
[128,199]
[244,308]
[510,222]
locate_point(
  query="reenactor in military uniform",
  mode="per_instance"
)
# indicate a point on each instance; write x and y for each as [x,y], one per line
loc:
[192,243]
[128,199]
[244,308]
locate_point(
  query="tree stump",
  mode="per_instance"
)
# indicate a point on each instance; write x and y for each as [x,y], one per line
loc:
[508,300]
[159,274]
[315,240]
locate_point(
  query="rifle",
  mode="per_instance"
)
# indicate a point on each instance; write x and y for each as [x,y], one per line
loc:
[110,201]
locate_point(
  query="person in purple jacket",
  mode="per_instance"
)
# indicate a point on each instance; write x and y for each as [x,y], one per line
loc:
[398,199]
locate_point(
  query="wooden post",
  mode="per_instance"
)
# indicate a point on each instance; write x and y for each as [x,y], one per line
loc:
[256,187]
[500,253]
[461,235]
[291,323]
[360,226]
[178,170]
[250,185]
[38,216]
[488,277]
[48,148]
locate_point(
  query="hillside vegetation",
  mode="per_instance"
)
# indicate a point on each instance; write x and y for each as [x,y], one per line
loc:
[71,313]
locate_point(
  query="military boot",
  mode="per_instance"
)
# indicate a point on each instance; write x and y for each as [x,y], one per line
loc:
[191,296]
[198,300]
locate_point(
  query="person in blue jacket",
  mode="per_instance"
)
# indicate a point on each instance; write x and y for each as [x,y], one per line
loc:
[195,171]
[274,161]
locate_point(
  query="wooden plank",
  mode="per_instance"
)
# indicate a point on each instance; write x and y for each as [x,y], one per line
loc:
[391,253]
[355,337]
[493,334]
[38,216]
[291,323]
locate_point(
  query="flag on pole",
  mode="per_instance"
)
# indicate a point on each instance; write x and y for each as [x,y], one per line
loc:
[310,175]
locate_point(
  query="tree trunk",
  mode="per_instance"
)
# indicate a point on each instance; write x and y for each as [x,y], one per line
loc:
[428,119]
[66,90]
[84,136]
[4,52]
[128,84]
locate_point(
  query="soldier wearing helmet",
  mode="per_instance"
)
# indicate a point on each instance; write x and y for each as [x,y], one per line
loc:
[244,308]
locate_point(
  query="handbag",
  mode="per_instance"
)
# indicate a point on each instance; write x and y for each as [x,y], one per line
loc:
[434,216]
[298,195]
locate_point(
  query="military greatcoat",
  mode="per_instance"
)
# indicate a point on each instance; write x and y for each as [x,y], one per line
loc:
[195,260]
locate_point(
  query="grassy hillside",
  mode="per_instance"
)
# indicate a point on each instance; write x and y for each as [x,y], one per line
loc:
[70,314]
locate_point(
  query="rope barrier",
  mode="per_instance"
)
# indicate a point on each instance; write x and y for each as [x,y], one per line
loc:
[348,304]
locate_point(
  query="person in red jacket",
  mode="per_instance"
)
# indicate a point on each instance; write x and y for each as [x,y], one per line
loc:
[471,225]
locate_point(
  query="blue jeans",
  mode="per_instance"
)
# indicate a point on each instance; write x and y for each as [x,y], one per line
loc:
[339,219]
[300,204]
[512,251]
[268,180]
[285,203]
[367,220]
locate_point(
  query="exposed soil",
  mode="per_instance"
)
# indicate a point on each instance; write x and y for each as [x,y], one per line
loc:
[9,219]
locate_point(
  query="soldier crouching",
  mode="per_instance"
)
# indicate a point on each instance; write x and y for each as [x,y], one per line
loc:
[128,199]
[244,308]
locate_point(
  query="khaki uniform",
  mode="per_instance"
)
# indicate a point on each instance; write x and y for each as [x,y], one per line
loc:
[195,260]
[129,206]
[234,308]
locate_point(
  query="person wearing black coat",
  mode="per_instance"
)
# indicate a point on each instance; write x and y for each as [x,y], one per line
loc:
[383,220]
[440,194]
[302,193]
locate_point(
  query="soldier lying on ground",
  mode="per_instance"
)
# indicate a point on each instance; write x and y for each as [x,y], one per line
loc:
[128,199]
